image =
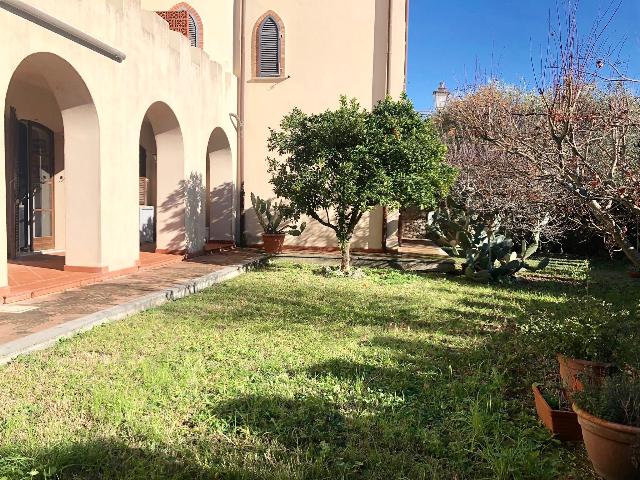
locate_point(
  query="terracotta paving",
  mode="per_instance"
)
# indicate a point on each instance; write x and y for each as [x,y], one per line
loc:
[55,309]
[425,248]
[37,275]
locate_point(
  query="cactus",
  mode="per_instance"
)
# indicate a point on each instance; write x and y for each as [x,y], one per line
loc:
[275,218]
[490,255]
[495,260]
[453,226]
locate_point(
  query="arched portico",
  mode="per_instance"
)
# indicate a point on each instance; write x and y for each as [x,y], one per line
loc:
[219,209]
[52,164]
[162,141]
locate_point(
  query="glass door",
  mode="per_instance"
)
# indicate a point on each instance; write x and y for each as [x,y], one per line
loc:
[36,198]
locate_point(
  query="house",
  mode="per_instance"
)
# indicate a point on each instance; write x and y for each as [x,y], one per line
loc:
[141,124]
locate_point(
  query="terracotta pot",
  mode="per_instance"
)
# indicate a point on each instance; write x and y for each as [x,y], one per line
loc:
[614,449]
[273,242]
[633,274]
[572,370]
[563,424]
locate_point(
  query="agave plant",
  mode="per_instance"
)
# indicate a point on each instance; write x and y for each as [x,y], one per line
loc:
[277,218]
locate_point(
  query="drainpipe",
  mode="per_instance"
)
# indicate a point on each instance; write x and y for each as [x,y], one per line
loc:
[241,87]
[385,212]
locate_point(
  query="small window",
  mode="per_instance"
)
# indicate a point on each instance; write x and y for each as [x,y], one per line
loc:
[269,48]
[194,27]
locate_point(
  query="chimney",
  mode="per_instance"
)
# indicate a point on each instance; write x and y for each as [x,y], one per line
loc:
[440,96]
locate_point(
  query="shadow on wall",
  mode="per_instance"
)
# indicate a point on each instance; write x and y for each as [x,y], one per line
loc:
[221,211]
[148,232]
[185,209]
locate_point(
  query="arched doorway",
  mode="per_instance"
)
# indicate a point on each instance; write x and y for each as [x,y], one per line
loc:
[52,159]
[162,187]
[219,209]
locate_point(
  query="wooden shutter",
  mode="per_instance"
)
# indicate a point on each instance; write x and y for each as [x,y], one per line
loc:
[143,188]
[193,31]
[11,161]
[269,48]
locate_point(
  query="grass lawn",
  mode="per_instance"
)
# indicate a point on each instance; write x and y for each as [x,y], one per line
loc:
[283,373]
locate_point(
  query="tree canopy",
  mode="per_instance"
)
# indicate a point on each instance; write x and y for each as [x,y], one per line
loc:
[337,165]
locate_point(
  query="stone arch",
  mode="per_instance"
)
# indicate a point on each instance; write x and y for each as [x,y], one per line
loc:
[220,189]
[47,89]
[255,44]
[171,190]
[184,6]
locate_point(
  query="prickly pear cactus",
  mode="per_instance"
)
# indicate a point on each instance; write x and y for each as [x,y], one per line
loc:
[495,260]
[453,226]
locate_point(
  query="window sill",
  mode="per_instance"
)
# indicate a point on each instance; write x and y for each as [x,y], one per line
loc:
[279,79]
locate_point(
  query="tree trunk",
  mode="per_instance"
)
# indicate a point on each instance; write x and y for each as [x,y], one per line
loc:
[608,223]
[345,250]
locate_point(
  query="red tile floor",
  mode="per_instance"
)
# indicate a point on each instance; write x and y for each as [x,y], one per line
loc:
[69,303]
[41,274]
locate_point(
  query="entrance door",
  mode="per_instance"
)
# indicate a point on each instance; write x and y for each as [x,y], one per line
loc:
[35,200]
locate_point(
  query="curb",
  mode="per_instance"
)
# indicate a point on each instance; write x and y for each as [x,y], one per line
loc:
[46,338]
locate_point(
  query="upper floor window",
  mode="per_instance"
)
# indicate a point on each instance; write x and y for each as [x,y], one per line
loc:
[195,23]
[269,45]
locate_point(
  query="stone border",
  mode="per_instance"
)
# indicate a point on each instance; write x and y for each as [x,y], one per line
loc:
[46,338]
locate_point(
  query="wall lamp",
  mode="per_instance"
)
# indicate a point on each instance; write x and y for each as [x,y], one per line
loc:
[45,20]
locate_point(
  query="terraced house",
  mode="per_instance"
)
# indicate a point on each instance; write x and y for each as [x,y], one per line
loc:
[136,125]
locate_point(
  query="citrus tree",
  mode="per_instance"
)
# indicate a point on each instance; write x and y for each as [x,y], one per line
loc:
[337,165]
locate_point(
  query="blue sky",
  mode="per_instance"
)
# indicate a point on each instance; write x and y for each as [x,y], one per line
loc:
[451,40]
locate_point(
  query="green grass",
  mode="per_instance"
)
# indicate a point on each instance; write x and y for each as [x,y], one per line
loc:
[285,374]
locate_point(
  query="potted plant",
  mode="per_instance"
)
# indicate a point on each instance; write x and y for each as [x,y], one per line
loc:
[590,346]
[585,343]
[609,415]
[555,412]
[276,221]
[575,372]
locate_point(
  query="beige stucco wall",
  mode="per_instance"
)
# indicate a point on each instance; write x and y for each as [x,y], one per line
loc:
[102,189]
[96,106]
[339,48]
[218,25]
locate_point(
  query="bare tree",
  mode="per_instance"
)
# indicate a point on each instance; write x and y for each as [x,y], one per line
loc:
[580,130]
[504,188]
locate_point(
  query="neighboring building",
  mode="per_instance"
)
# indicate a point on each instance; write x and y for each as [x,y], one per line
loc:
[118,129]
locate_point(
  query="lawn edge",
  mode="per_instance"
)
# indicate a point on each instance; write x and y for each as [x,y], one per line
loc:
[50,336]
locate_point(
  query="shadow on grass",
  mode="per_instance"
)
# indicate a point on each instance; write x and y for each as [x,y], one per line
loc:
[99,459]
[434,407]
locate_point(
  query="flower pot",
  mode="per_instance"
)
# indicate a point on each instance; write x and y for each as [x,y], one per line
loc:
[563,424]
[614,449]
[573,372]
[634,274]
[273,242]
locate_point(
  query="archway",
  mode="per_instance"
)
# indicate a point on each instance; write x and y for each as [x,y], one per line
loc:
[163,191]
[219,209]
[52,164]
